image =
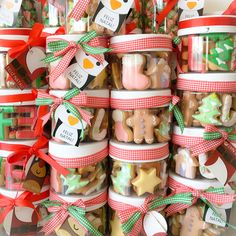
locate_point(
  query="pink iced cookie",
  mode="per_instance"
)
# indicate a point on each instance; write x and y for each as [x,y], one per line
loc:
[133,77]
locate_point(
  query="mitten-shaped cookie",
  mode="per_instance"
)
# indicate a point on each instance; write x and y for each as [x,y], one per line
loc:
[133,77]
[189,106]
[143,123]
[122,132]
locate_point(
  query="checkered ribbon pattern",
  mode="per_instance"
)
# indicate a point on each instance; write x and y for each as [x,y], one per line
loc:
[131,217]
[206,86]
[79,9]
[213,138]
[24,153]
[216,196]
[72,100]
[81,162]
[185,141]
[141,44]
[139,155]
[66,51]
[60,210]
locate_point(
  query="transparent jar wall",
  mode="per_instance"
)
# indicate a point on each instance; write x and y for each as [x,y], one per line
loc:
[191,221]
[52,16]
[214,52]
[187,166]
[63,83]
[141,70]
[142,126]
[139,179]
[6,82]
[22,14]
[17,122]
[217,109]
[98,130]
[81,181]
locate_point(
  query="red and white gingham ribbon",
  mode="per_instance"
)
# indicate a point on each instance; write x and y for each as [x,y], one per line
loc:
[211,197]
[143,103]
[139,155]
[61,213]
[79,9]
[206,86]
[185,141]
[141,44]
[98,102]
[81,162]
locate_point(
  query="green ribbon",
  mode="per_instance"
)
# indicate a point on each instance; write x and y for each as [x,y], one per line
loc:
[217,135]
[178,116]
[59,45]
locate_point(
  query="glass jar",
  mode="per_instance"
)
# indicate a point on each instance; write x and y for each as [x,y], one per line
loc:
[87,165]
[208,99]
[208,44]
[153,223]
[147,121]
[199,219]
[22,219]
[139,169]
[143,68]
[52,16]
[17,119]
[18,176]
[19,14]
[84,70]
[66,128]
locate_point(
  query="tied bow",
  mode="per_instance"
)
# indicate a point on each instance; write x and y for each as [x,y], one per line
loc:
[132,217]
[66,51]
[8,204]
[24,153]
[213,138]
[209,196]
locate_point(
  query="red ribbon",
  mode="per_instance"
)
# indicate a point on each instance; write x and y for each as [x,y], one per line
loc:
[79,9]
[170,5]
[231,9]
[35,39]
[26,97]
[18,32]
[24,153]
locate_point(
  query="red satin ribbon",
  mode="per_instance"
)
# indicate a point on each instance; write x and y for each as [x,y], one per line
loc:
[35,39]
[27,97]
[231,9]
[17,32]
[170,5]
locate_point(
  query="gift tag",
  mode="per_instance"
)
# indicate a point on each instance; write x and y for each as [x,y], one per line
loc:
[9,10]
[204,171]
[112,13]
[27,67]
[35,175]
[154,224]
[68,128]
[84,69]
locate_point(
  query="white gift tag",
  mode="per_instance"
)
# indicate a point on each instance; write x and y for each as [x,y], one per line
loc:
[154,224]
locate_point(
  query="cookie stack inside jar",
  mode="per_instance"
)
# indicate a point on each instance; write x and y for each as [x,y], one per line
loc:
[205,151]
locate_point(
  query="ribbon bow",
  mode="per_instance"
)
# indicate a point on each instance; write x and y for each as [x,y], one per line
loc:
[131,216]
[209,196]
[34,39]
[8,204]
[213,138]
[24,153]
[67,50]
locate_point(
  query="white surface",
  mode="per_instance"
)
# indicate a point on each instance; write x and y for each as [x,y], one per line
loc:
[216,6]
[212,77]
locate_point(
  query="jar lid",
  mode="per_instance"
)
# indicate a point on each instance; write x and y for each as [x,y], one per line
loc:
[138,153]
[17,97]
[126,100]
[141,43]
[189,132]
[207,25]
[199,184]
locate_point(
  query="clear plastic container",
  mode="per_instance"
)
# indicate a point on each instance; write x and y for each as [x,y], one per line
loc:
[141,69]
[140,125]
[207,99]
[136,170]
[83,179]
[208,44]
[66,128]
[19,14]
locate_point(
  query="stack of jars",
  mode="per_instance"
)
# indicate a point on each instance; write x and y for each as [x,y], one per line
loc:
[204,153]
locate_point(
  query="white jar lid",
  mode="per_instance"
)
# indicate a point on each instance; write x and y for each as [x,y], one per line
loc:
[207,24]
[67,151]
[162,154]
[189,132]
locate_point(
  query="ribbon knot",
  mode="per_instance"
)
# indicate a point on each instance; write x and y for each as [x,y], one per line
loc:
[143,209]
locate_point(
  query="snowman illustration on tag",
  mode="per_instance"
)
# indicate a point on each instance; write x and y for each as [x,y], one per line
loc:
[112,13]
[84,69]
[68,128]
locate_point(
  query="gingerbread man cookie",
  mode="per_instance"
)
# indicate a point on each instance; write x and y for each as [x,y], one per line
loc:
[143,123]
